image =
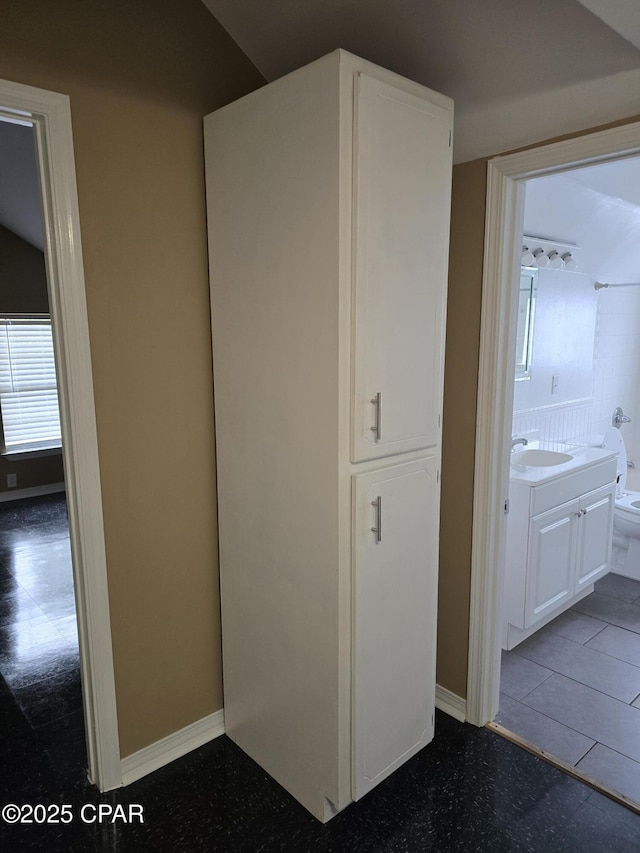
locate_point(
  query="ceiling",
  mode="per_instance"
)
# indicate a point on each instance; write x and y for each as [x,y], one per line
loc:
[519,71]
[597,208]
[622,15]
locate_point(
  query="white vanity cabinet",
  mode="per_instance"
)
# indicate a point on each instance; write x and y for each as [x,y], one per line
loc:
[328,195]
[559,535]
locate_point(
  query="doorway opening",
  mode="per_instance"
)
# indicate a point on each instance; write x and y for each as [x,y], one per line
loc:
[40,690]
[49,115]
[514,183]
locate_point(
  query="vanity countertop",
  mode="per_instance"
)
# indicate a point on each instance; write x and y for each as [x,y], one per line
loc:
[581,457]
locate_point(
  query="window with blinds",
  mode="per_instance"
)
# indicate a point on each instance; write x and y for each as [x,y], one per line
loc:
[28,390]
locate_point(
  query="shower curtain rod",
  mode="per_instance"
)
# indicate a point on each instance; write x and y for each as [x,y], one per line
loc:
[600,284]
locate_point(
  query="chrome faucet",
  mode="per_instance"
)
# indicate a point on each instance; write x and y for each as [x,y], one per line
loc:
[515,440]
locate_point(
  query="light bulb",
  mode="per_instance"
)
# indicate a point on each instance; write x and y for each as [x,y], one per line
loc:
[539,258]
[569,261]
[527,257]
[555,261]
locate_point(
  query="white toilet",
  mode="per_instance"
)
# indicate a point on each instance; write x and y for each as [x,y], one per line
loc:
[626,519]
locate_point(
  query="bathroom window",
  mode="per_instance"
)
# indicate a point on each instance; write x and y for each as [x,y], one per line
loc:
[28,389]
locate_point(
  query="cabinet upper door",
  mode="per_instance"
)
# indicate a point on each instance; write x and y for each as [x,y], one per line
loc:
[395,589]
[402,167]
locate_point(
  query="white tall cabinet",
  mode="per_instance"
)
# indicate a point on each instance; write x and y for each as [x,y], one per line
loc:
[328,195]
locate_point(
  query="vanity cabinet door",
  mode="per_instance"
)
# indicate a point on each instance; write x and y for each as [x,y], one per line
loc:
[552,545]
[595,535]
[395,513]
[401,212]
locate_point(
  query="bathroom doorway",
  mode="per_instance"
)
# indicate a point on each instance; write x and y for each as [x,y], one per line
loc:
[505,218]
[570,673]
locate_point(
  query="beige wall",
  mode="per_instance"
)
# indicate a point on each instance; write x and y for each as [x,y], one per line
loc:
[23,290]
[458,427]
[460,398]
[141,75]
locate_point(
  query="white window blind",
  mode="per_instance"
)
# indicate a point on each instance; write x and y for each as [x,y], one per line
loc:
[28,391]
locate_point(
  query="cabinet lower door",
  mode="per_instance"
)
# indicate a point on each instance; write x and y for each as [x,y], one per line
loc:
[595,534]
[395,589]
[550,561]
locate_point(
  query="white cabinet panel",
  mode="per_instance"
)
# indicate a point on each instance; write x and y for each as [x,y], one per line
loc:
[395,614]
[402,168]
[550,572]
[595,535]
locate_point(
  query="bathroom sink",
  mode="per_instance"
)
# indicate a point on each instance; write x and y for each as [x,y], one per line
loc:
[537,458]
[533,466]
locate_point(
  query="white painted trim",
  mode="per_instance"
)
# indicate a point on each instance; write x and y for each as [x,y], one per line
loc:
[173,746]
[21,455]
[452,704]
[31,492]
[495,389]
[491,482]
[51,115]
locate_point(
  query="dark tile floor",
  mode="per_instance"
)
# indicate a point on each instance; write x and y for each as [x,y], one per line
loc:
[38,637]
[469,790]
[573,688]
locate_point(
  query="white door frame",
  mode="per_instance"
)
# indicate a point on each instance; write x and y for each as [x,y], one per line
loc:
[503,230]
[51,116]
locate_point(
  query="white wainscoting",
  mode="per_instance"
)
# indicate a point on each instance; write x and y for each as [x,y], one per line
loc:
[555,424]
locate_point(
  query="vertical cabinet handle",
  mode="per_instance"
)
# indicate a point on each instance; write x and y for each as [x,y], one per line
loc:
[377,504]
[376,429]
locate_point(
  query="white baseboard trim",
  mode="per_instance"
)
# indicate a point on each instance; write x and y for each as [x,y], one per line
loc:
[32,492]
[452,704]
[173,746]
[179,743]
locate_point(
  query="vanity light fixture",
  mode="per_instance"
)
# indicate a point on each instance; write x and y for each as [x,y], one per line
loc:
[555,261]
[539,258]
[547,252]
[527,257]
